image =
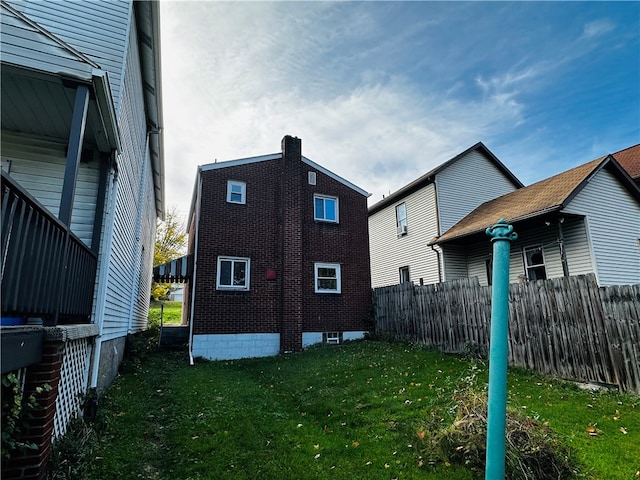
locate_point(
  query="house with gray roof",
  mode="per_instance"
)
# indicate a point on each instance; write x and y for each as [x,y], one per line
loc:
[584,220]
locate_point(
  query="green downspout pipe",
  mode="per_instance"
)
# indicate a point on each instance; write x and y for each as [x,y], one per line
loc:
[502,235]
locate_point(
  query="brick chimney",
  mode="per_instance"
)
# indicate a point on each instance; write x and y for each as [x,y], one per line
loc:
[291,326]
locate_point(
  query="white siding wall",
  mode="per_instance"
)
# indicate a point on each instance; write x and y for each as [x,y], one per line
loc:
[39,166]
[390,252]
[126,301]
[576,246]
[613,220]
[465,184]
[454,263]
[97,29]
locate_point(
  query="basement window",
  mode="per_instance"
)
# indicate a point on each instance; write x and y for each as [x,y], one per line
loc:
[332,338]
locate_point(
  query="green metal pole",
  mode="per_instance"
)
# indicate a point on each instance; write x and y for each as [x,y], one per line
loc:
[501,236]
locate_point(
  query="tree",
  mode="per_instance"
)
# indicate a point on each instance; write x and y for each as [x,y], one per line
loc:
[171,243]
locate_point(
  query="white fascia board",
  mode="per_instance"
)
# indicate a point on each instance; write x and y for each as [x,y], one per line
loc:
[336,177]
[240,161]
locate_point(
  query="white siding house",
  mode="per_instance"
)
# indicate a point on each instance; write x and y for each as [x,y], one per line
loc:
[585,220]
[402,224]
[83,175]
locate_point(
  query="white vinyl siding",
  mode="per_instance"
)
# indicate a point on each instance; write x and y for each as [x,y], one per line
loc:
[39,166]
[25,45]
[97,29]
[454,262]
[390,252]
[614,228]
[466,184]
[126,299]
[576,245]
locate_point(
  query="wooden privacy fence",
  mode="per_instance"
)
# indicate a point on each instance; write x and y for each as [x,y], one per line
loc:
[567,326]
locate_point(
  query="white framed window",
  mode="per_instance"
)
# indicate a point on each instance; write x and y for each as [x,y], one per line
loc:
[404,275]
[236,192]
[325,208]
[401,219]
[233,273]
[327,278]
[534,263]
[312,178]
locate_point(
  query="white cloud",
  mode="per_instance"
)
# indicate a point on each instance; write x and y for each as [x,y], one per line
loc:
[597,28]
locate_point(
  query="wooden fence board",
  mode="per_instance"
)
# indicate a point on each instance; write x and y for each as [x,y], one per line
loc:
[567,327]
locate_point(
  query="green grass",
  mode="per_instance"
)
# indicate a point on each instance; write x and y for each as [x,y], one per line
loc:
[172,313]
[355,411]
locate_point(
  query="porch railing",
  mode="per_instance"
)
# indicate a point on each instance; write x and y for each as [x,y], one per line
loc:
[47,271]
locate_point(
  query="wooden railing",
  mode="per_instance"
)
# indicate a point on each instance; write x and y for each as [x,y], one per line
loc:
[47,271]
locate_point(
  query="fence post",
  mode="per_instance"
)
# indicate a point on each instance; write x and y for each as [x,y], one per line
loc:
[501,236]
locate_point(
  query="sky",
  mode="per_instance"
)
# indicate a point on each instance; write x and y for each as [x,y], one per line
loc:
[382,92]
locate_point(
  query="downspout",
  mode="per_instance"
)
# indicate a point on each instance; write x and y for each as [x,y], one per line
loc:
[563,252]
[103,278]
[439,263]
[195,267]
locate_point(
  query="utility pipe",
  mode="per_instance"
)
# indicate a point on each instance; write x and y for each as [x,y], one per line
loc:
[502,235]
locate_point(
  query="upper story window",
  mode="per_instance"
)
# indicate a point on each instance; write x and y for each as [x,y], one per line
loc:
[325,208]
[534,263]
[233,273]
[236,192]
[327,278]
[401,219]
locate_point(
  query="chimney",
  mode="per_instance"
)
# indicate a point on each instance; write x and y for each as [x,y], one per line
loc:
[291,148]
[292,255]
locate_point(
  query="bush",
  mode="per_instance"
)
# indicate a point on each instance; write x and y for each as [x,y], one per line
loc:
[533,450]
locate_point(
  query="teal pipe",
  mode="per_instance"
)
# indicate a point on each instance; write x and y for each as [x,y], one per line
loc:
[502,235]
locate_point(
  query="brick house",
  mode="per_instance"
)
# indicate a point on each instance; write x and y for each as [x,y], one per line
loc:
[281,257]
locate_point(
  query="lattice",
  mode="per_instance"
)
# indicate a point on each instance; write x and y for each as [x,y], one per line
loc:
[73,382]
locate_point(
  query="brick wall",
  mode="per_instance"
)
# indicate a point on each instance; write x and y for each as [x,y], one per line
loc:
[32,464]
[277,231]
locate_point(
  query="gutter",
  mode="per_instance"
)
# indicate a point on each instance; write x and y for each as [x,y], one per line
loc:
[195,268]
[106,109]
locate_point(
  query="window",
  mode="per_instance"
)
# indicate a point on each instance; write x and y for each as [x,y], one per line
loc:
[327,278]
[236,192]
[233,273]
[325,208]
[312,178]
[534,263]
[401,219]
[404,274]
[488,265]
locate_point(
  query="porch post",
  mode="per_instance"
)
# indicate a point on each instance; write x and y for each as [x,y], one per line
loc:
[501,236]
[74,151]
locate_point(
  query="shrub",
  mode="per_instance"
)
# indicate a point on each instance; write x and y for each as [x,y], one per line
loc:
[533,450]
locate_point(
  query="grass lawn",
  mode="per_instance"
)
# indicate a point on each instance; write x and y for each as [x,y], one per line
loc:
[363,410]
[172,313]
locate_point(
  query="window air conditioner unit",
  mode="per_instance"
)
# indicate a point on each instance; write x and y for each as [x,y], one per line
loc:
[402,230]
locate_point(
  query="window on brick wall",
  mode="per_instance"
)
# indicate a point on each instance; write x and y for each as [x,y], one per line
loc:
[325,208]
[327,278]
[233,273]
[236,192]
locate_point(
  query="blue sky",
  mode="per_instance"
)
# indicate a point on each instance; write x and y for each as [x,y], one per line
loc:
[381,92]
